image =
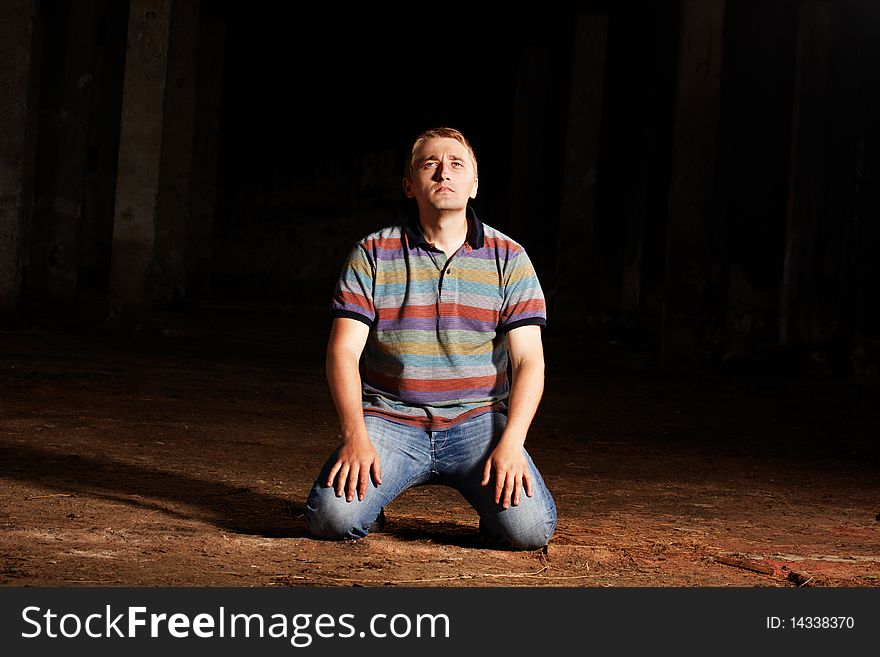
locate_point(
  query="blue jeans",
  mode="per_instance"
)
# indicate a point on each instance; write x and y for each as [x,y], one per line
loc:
[411,456]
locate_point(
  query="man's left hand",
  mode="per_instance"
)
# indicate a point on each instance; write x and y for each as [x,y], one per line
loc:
[508,462]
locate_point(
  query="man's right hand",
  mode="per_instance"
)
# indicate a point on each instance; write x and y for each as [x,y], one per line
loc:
[356,461]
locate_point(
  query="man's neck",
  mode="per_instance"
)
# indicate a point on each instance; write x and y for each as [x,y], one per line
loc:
[445,229]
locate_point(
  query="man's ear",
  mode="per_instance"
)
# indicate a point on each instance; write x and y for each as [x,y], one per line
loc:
[474,190]
[407,187]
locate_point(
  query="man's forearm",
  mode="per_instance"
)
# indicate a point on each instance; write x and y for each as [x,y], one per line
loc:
[525,395]
[344,379]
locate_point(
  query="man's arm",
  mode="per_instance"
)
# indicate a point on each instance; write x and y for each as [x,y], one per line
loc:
[357,457]
[507,460]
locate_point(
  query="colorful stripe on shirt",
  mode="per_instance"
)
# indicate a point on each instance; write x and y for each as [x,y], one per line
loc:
[436,354]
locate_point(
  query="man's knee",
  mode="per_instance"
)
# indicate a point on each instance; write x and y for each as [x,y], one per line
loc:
[533,538]
[333,518]
[521,531]
[325,525]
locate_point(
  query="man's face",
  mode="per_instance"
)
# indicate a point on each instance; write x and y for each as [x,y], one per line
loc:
[443,175]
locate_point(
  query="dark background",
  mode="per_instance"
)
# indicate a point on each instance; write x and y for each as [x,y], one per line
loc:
[702,190]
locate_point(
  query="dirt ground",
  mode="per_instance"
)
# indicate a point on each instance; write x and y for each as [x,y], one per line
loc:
[185,459]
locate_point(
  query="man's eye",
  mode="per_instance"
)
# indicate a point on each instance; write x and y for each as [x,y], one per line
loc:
[457,164]
[429,164]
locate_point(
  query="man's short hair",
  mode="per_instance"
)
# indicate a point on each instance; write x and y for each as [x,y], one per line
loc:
[449,133]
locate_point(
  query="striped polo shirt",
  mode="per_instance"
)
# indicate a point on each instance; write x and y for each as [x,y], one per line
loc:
[436,354]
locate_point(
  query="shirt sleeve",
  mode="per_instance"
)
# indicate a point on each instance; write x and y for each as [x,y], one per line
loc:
[523,302]
[353,297]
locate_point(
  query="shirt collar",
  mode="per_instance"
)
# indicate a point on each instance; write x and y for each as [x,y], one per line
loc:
[474,239]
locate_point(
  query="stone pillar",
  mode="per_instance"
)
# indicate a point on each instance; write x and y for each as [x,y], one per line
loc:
[690,316]
[808,172]
[140,150]
[865,339]
[96,226]
[176,167]
[18,111]
[828,290]
[62,154]
[575,270]
[754,145]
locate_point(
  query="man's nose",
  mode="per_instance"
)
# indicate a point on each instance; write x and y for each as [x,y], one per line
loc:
[442,171]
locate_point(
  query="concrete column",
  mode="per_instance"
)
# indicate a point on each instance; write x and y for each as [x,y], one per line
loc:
[176,167]
[62,154]
[203,198]
[865,340]
[827,283]
[19,82]
[808,172]
[575,270]
[96,226]
[140,150]
[690,315]
[754,144]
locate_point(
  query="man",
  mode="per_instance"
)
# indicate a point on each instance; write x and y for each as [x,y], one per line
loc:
[436,307]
